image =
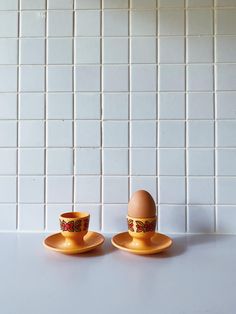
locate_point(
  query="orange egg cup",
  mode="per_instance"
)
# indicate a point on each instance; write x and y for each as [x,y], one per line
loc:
[141,231]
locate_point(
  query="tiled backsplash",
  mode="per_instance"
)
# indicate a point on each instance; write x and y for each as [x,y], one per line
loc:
[101,98]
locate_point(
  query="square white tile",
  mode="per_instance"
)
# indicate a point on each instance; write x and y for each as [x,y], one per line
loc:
[88,161]
[8,24]
[115,134]
[226,105]
[31,133]
[59,106]
[143,23]
[200,219]
[8,51]
[199,77]
[115,161]
[140,4]
[115,50]
[171,78]
[8,161]
[166,47]
[31,161]
[87,50]
[59,133]
[32,78]
[171,133]
[199,49]
[115,23]
[143,161]
[226,190]
[171,22]
[148,183]
[31,217]
[32,23]
[88,133]
[59,189]
[143,106]
[202,3]
[200,105]
[7,189]
[226,165]
[33,5]
[87,106]
[225,21]
[143,78]
[115,106]
[87,23]
[9,5]
[60,23]
[171,190]
[31,189]
[8,216]
[87,4]
[200,190]
[8,78]
[143,134]
[200,21]
[114,218]
[32,51]
[172,218]
[200,162]
[60,4]
[172,162]
[8,106]
[115,78]
[87,189]
[143,50]
[115,190]
[200,133]
[31,105]
[9,128]
[59,78]
[59,51]
[59,161]
[225,77]
[225,133]
[171,105]
[226,219]
[225,47]
[87,78]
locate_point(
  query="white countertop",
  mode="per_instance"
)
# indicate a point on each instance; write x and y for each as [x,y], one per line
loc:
[197,275]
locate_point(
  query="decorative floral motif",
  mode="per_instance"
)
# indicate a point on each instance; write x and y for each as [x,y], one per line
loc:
[145,226]
[130,225]
[74,226]
[140,226]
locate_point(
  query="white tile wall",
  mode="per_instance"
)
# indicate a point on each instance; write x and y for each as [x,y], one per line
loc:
[99,98]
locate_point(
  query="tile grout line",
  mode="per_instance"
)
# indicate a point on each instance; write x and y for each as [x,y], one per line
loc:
[45,117]
[185,123]
[214,112]
[157,121]
[101,115]
[73,109]
[18,116]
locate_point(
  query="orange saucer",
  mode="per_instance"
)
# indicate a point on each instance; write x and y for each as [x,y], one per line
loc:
[158,243]
[56,242]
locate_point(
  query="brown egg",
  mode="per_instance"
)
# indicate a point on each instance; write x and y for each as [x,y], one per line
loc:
[141,205]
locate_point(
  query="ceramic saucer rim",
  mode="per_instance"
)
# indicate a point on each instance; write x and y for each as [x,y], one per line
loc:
[74,251]
[140,252]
